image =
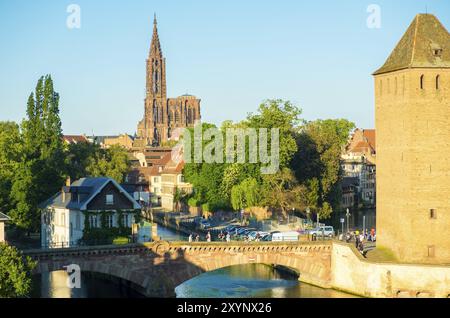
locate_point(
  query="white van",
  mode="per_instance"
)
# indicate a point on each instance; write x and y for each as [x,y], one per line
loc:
[285,237]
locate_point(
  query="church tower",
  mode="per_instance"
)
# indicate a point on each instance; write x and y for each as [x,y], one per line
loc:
[412,110]
[162,115]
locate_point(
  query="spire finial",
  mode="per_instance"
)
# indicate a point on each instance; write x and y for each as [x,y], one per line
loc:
[154,19]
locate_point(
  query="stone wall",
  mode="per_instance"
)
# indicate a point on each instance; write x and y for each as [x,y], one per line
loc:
[354,274]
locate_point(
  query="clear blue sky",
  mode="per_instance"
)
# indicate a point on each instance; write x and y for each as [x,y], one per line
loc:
[232,54]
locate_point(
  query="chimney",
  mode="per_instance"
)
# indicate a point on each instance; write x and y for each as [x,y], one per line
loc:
[63,195]
[68,183]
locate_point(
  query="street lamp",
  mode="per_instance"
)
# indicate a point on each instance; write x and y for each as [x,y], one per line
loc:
[348,216]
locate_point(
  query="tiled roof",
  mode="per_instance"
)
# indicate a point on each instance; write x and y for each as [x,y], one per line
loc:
[370,135]
[426,43]
[86,189]
[74,139]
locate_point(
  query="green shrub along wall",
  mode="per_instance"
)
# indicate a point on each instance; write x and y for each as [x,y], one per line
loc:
[103,233]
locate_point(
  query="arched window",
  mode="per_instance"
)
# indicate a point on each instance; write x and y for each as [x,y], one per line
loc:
[389,85]
[169,133]
[438,78]
[177,116]
[422,81]
[155,112]
[381,87]
[396,86]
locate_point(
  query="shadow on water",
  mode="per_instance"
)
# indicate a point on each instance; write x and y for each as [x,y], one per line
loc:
[93,285]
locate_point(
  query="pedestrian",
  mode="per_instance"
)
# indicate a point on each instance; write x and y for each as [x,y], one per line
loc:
[208,237]
[357,239]
[372,235]
[197,238]
[228,237]
[190,238]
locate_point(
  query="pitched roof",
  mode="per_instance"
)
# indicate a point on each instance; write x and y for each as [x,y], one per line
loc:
[74,139]
[3,217]
[426,43]
[86,189]
[369,135]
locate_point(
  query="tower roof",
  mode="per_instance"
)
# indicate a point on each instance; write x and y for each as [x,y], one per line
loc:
[155,47]
[426,44]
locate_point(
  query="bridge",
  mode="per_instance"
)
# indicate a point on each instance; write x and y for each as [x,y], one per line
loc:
[156,269]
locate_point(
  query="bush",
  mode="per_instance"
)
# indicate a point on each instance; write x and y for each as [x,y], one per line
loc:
[120,240]
[193,202]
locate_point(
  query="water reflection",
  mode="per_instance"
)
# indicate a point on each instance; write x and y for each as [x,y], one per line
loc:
[54,285]
[251,281]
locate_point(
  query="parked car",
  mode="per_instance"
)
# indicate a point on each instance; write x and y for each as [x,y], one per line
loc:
[267,238]
[327,231]
[204,224]
[285,237]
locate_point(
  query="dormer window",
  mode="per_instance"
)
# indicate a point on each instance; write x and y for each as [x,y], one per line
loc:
[109,199]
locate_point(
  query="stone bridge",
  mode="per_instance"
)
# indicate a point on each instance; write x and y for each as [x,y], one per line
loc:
[156,269]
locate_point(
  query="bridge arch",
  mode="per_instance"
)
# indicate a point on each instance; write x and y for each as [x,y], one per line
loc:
[158,268]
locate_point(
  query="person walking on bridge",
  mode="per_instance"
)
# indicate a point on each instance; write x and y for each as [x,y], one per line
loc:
[208,237]
[190,238]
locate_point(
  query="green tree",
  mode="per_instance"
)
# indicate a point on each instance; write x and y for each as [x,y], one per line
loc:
[282,115]
[281,191]
[15,272]
[317,163]
[41,166]
[78,157]
[112,162]
[10,144]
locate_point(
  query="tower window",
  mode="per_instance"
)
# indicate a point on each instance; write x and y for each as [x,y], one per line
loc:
[438,78]
[431,251]
[437,52]
[433,214]
[422,79]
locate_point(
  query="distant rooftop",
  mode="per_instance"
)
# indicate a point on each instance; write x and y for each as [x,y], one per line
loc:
[426,44]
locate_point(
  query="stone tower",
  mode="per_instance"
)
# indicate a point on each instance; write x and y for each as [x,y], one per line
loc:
[163,115]
[412,110]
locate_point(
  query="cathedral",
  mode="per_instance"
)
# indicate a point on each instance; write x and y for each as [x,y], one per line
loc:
[163,115]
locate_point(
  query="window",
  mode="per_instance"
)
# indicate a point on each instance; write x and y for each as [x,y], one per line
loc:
[422,80]
[109,221]
[437,52]
[63,219]
[433,214]
[109,199]
[437,81]
[431,251]
[126,220]
[93,221]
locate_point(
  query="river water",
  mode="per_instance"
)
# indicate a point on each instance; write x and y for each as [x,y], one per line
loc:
[244,281]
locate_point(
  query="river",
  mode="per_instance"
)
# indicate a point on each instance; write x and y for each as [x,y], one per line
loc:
[243,281]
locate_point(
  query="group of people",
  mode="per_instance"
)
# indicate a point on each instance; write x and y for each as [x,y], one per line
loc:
[224,237]
[360,238]
[221,237]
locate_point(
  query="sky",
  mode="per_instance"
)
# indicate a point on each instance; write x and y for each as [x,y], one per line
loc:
[231,54]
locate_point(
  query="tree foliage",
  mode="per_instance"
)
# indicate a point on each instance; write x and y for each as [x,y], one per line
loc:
[15,272]
[34,161]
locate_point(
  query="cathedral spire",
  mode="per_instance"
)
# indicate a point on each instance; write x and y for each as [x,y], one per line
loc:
[155,48]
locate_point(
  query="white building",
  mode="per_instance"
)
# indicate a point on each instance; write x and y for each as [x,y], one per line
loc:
[63,215]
